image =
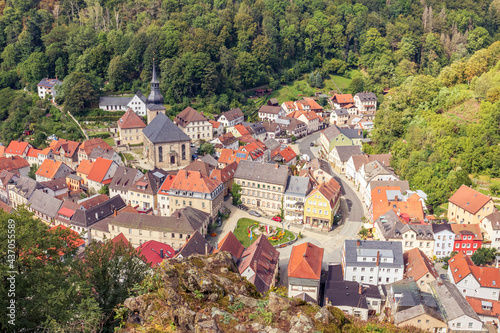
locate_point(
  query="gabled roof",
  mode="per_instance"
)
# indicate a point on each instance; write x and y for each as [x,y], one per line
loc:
[204,168]
[366,97]
[33,152]
[343,98]
[232,245]
[345,152]
[124,178]
[49,168]
[93,201]
[120,238]
[89,145]
[468,199]
[297,185]
[461,266]
[13,163]
[73,238]
[25,186]
[266,173]
[272,144]
[233,114]
[99,170]
[84,167]
[165,186]
[194,181]
[48,83]
[305,262]
[130,120]
[114,100]
[215,124]
[88,217]
[451,302]
[227,139]
[330,190]
[270,109]
[16,147]
[287,154]
[417,264]
[494,220]
[208,159]
[411,209]
[262,258]
[197,244]
[437,228]
[225,174]
[162,130]
[44,203]
[467,229]
[150,182]
[154,252]
[484,307]
[2,150]
[228,156]
[416,311]
[55,184]
[187,116]
[6,208]
[241,129]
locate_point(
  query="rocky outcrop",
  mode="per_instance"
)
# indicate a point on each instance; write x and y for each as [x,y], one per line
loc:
[206,294]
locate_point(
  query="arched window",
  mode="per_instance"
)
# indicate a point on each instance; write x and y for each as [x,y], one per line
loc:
[183,152]
[172,159]
[160,154]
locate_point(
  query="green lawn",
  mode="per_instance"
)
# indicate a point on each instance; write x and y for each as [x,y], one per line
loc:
[110,141]
[241,232]
[128,156]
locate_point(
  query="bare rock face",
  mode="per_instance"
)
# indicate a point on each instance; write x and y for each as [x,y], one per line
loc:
[301,323]
[205,324]
[278,303]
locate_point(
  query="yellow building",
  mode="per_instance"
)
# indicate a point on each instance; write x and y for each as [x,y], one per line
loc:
[468,206]
[321,205]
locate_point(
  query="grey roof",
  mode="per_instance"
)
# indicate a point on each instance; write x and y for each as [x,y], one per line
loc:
[270,109]
[403,184]
[370,249]
[55,184]
[123,178]
[406,294]
[197,244]
[86,218]
[141,96]
[331,132]
[74,177]
[272,144]
[233,114]
[25,186]
[155,107]
[415,311]
[44,203]
[393,194]
[297,186]
[391,227]
[451,302]
[345,152]
[441,227]
[317,163]
[186,221]
[266,173]
[155,96]
[258,128]
[100,152]
[209,159]
[366,96]
[352,133]
[114,100]
[375,168]
[162,130]
[284,120]
[494,219]
[341,112]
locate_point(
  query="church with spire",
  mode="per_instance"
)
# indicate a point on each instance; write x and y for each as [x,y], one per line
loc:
[142,106]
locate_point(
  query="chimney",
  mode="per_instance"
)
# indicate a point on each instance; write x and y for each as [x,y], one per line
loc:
[358,243]
[360,289]
[186,174]
[396,198]
[161,254]
[199,170]
[378,258]
[115,213]
[206,248]
[254,266]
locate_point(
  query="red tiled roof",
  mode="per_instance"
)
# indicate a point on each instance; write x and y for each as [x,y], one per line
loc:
[227,139]
[225,174]
[152,249]
[89,145]
[166,185]
[5,207]
[469,199]
[467,229]
[414,197]
[194,181]
[288,154]
[417,264]
[16,147]
[461,266]
[231,244]
[130,120]
[73,238]
[344,98]
[477,305]
[46,151]
[99,169]
[65,211]
[85,167]
[305,261]
[241,129]
[48,169]
[13,163]
[120,238]
[228,156]
[94,201]
[215,124]
[330,190]
[412,209]
[2,150]
[33,152]
[188,115]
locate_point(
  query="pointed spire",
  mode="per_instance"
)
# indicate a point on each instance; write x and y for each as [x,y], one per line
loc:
[155,96]
[154,79]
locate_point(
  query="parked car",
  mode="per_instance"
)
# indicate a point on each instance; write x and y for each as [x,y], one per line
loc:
[254,213]
[243,207]
[311,144]
[276,218]
[219,222]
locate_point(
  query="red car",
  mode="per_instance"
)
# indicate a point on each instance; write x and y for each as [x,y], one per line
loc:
[276,218]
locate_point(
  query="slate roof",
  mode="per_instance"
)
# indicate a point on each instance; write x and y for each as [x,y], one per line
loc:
[233,114]
[394,229]
[370,249]
[341,112]
[196,244]
[366,97]
[103,153]
[436,228]
[187,116]
[297,186]
[44,203]
[266,173]
[305,261]
[272,144]
[114,100]
[469,199]
[345,152]
[25,186]
[209,159]
[86,218]
[48,83]
[123,178]
[152,181]
[130,120]
[55,184]
[163,130]
[415,311]
[451,302]
[270,109]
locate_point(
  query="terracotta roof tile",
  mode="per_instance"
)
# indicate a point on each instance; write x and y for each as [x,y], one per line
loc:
[215,124]
[93,201]
[13,163]
[49,168]
[241,129]
[130,120]
[305,261]
[188,115]
[2,150]
[228,156]
[165,187]
[461,266]
[16,147]
[33,152]
[477,305]
[89,145]
[469,229]
[152,251]
[287,154]
[99,169]
[417,264]
[411,209]
[469,199]
[232,245]
[84,167]
[194,181]
[343,98]
[120,238]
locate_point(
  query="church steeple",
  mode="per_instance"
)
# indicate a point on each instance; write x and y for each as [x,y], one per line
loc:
[155,96]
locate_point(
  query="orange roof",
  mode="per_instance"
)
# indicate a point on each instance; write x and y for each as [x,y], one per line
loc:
[166,185]
[288,154]
[461,265]
[48,169]
[224,174]
[32,152]
[417,264]
[194,181]
[313,104]
[73,238]
[255,149]
[467,229]
[343,98]
[5,207]
[215,124]
[411,208]
[130,120]
[230,244]
[228,156]
[330,190]
[84,167]
[13,163]
[99,169]
[305,261]
[89,145]
[46,151]
[379,193]
[241,129]
[120,238]
[290,105]
[16,147]
[469,199]
[247,138]
[477,305]
[2,150]
[414,197]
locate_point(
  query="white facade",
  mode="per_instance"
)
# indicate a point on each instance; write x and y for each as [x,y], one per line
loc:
[163,204]
[365,187]
[227,123]
[443,243]
[293,212]
[465,323]
[365,106]
[469,286]
[265,116]
[139,107]
[199,130]
[492,233]
[350,170]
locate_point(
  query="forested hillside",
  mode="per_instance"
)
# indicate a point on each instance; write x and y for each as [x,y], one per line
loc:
[441,129]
